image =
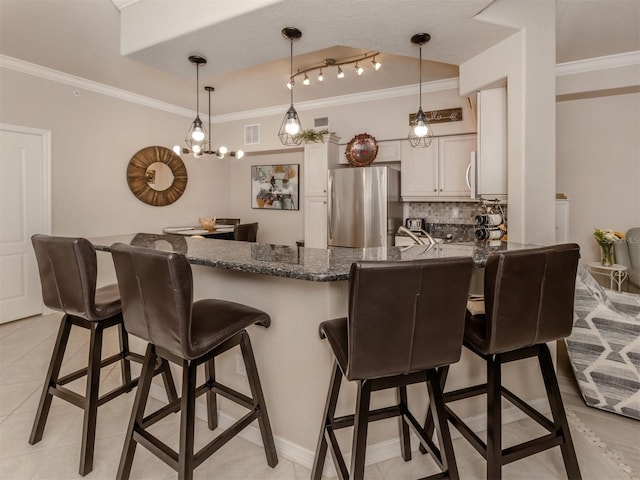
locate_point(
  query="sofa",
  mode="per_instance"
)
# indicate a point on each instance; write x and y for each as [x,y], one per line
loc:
[627,253]
[604,346]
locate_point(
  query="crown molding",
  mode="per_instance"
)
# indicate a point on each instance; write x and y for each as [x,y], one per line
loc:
[373,95]
[79,82]
[122,4]
[568,68]
[598,63]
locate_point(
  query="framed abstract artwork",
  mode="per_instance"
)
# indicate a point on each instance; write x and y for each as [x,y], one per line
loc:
[275,187]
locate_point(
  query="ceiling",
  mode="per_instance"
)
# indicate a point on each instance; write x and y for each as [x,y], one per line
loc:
[248,60]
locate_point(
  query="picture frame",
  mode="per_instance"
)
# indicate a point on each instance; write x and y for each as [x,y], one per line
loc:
[275,187]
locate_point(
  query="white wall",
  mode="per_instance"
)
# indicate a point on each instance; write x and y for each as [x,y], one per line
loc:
[527,61]
[281,227]
[598,165]
[94,137]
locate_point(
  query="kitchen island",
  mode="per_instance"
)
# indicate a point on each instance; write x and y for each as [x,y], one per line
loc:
[299,288]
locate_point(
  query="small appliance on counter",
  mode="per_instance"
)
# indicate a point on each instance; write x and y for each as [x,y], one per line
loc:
[414,224]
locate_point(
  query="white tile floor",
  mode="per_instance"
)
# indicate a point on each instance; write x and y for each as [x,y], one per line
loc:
[25,349]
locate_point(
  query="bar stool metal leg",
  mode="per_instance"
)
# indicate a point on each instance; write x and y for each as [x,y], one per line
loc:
[494,417]
[326,430]
[137,413]
[125,364]
[405,441]
[186,462]
[258,400]
[360,430]
[51,380]
[439,416]
[91,399]
[558,412]
[212,402]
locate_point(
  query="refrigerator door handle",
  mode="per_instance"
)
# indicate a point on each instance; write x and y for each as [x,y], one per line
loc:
[330,207]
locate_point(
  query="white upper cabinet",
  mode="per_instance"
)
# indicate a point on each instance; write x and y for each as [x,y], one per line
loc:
[318,159]
[438,172]
[419,169]
[491,157]
[454,155]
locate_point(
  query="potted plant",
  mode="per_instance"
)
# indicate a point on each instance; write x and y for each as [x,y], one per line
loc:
[315,136]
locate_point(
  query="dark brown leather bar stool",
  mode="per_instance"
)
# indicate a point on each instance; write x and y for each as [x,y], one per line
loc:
[528,302]
[245,232]
[405,319]
[68,273]
[157,302]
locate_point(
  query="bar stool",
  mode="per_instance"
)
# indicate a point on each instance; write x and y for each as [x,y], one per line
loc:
[528,302]
[405,319]
[245,232]
[157,302]
[68,273]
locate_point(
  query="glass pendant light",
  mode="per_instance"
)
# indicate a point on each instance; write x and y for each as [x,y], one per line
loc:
[291,128]
[195,138]
[420,134]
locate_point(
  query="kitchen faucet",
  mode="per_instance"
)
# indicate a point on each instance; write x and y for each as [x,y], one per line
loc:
[415,238]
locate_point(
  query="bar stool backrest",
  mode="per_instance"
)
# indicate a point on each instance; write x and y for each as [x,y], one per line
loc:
[529,296]
[246,232]
[156,288]
[68,272]
[406,316]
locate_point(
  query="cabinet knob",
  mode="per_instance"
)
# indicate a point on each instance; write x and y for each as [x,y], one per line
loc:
[435,189]
[440,189]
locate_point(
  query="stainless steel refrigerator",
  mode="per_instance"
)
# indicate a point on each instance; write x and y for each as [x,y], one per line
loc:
[364,206]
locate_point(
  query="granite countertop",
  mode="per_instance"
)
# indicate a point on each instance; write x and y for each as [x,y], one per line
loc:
[318,265]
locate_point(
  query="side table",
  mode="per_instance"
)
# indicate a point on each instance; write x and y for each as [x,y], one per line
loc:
[617,273]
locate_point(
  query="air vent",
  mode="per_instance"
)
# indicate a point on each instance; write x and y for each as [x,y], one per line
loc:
[321,122]
[252,134]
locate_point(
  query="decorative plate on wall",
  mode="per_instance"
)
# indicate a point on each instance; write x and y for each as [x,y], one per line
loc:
[157,176]
[361,150]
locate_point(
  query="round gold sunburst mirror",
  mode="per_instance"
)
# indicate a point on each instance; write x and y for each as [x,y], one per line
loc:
[157,176]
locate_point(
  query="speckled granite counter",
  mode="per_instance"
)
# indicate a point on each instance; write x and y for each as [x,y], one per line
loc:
[301,263]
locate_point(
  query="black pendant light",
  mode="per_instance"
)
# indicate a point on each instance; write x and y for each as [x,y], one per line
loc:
[420,134]
[196,138]
[196,135]
[291,128]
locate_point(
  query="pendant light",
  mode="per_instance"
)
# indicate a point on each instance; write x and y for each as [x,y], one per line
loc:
[291,129]
[195,138]
[420,134]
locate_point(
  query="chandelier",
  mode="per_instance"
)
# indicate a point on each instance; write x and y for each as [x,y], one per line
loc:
[196,140]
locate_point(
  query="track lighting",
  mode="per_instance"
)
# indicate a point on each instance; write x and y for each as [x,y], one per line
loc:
[338,63]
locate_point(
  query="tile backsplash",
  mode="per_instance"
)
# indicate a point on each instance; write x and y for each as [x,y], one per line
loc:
[445,212]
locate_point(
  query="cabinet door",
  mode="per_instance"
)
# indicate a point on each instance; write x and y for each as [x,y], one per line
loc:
[318,158]
[419,171]
[315,222]
[454,157]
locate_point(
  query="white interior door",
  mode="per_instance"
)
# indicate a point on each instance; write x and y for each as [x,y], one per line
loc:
[24,210]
